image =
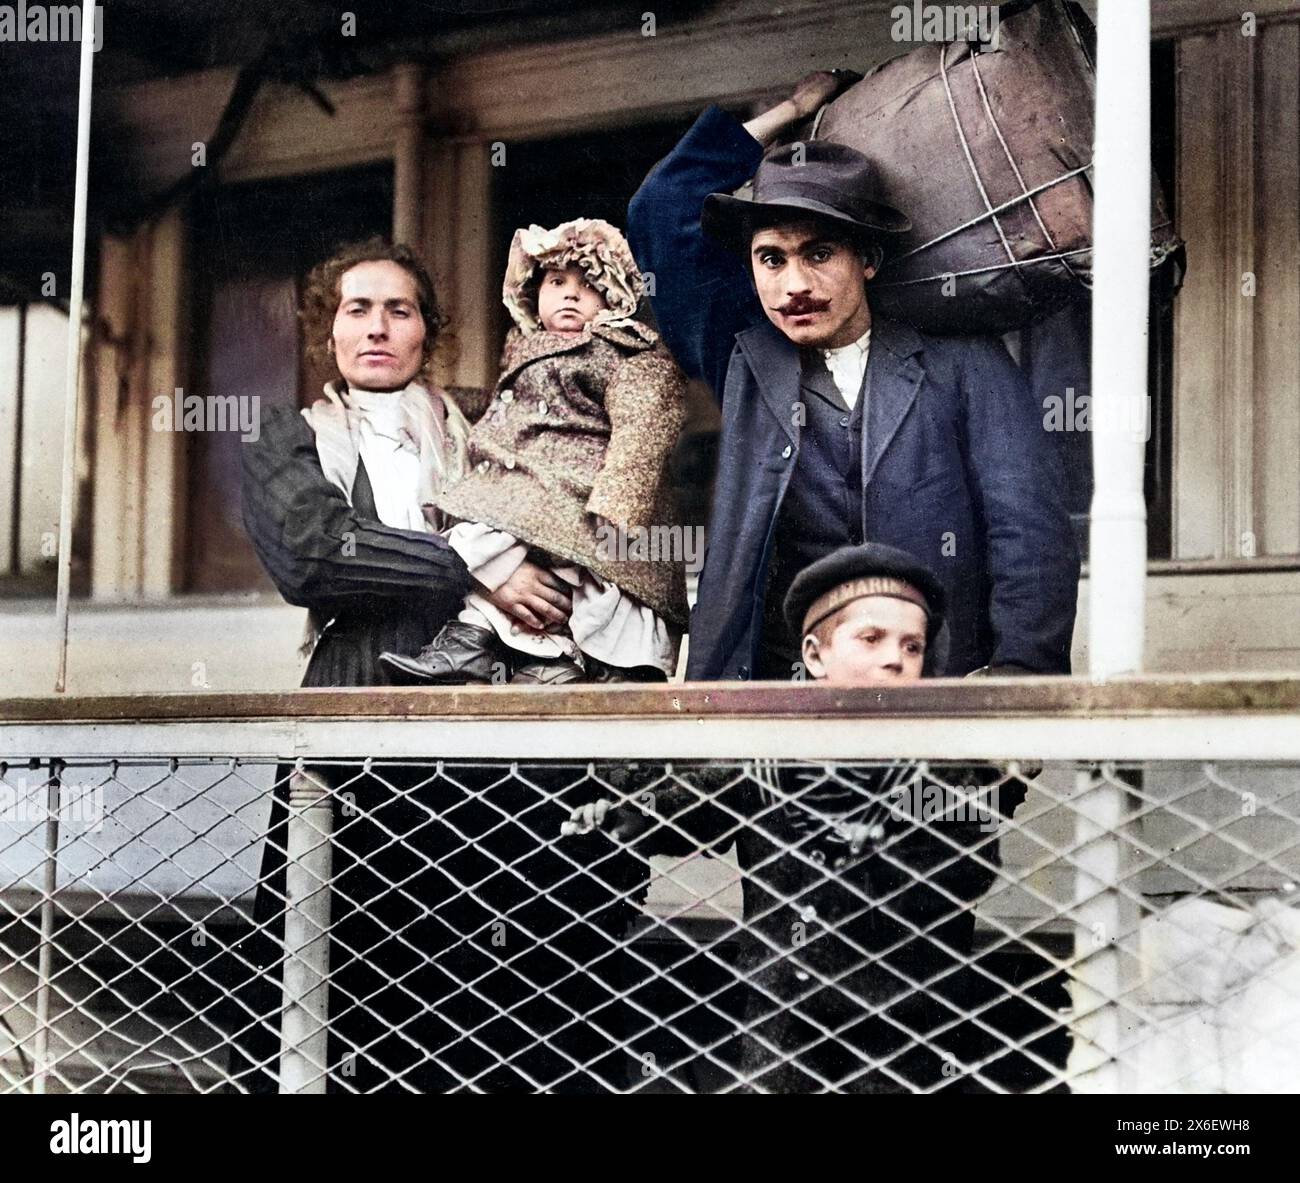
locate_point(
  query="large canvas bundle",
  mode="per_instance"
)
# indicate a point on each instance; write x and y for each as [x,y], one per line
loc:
[988,150]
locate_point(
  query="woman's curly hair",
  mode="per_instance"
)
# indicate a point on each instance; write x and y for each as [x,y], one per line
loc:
[321,295]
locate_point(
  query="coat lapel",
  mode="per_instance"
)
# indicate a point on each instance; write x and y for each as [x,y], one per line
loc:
[774,361]
[816,379]
[893,378]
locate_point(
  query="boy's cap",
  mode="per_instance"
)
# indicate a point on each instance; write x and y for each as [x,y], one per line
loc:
[854,572]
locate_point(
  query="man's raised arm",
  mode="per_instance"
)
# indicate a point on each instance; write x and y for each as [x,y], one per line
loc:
[703,295]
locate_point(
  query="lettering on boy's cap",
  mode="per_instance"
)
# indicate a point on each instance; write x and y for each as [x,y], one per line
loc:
[853,572]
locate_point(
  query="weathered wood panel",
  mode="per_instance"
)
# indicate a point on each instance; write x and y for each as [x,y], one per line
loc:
[1277,304]
[1199,444]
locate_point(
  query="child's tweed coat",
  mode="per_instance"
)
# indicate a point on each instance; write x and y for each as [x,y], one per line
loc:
[577,427]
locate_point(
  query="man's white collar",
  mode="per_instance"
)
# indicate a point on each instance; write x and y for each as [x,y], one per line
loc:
[861,345]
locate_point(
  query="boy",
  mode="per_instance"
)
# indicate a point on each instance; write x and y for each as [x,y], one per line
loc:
[858,881]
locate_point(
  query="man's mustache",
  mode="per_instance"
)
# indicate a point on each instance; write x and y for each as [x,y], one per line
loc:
[803,307]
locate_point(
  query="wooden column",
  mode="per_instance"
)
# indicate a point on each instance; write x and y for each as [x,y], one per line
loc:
[408,151]
[458,246]
[139,473]
[1277,302]
[1213,442]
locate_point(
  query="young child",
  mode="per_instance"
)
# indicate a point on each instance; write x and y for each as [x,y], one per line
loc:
[571,450]
[858,880]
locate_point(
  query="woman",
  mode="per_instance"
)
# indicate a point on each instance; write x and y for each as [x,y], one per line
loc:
[436,923]
[351,540]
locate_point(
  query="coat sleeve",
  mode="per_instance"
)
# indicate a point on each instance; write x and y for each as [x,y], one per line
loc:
[317,551]
[646,411]
[1033,559]
[703,295]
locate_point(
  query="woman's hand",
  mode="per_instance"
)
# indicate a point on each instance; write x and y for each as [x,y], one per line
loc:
[622,823]
[535,597]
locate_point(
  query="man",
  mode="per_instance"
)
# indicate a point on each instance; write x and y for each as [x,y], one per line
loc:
[839,427]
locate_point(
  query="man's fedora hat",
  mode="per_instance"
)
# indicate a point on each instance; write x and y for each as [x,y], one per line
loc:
[826,179]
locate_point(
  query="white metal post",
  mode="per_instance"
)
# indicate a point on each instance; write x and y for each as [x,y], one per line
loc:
[1120,418]
[72,368]
[1105,917]
[309,861]
[45,953]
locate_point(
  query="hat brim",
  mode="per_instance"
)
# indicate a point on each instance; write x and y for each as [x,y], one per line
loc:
[731,221]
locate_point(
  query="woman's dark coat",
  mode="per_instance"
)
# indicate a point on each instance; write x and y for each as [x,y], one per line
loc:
[450,903]
[374,587]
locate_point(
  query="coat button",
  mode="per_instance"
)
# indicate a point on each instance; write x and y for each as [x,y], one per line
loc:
[786,452]
[484,465]
[844,420]
[541,407]
[507,395]
[744,671]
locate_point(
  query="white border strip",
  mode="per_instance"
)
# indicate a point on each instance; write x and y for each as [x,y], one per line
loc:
[1189,736]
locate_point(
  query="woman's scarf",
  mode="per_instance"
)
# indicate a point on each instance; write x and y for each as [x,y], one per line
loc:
[431,423]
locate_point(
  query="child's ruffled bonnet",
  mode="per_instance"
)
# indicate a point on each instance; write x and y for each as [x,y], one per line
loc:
[595,246]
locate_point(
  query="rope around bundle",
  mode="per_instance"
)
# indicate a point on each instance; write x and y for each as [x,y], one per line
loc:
[1158,255]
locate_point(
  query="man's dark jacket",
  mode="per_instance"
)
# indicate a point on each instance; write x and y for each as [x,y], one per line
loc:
[956,465]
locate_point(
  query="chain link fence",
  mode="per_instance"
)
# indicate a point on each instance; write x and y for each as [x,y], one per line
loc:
[242,923]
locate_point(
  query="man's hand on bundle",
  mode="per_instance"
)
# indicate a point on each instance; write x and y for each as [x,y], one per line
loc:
[810,92]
